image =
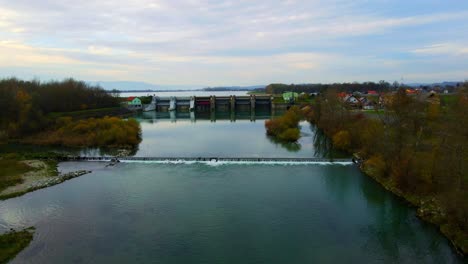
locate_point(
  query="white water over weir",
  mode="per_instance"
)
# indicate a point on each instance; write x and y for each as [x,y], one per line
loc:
[215,160]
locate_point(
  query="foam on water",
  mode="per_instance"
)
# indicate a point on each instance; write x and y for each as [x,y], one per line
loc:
[221,163]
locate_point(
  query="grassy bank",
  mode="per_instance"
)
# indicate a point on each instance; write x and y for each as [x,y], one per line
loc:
[40,183]
[11,172]
[13,242]
[18,174]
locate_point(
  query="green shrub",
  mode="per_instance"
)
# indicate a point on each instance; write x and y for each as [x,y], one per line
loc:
[92,132]
[286,127]
[290,135]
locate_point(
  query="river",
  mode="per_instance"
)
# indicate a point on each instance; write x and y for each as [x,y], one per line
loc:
[184,93]
[221,213]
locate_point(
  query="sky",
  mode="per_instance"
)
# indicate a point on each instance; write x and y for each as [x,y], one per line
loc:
[221,43]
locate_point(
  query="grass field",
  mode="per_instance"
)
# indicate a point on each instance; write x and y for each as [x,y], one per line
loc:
[11,172]
[13,242]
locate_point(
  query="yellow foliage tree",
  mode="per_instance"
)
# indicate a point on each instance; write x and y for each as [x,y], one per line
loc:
[433,111]
[342,140]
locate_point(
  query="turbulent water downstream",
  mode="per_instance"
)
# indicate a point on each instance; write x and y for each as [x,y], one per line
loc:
[147,212]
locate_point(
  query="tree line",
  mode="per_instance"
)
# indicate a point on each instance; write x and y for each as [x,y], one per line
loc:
[418,148]
[25,105]
[382,86]
[92,132]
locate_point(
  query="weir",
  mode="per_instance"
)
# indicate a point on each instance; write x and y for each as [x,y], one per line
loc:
[213,159]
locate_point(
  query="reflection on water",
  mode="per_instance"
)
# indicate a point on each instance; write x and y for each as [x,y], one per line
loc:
[233,116]
[218,134]
[323,145]
[290,146]
[41,151]
[184,93]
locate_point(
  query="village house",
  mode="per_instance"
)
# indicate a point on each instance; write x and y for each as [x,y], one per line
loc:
[290,96]
[134,103]
[352,101]
[366,103]
[358,102]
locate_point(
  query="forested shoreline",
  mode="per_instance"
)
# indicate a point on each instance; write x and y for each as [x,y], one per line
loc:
[363,87]
[63,113]
[416,148]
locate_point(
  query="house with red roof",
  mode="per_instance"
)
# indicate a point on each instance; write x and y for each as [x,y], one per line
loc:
[134,102]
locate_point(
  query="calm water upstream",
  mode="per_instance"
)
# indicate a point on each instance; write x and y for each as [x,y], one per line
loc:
[184,93]
[199,213]
[218,135]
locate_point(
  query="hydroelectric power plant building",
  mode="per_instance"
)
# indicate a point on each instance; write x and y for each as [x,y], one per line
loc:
[213,103]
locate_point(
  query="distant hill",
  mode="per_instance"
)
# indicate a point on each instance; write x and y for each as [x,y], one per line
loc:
[129,86]
[441,84]
[234,88]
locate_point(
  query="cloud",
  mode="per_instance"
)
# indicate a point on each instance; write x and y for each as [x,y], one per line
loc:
[17,54]
[104,62]
[452,49]
[209,41]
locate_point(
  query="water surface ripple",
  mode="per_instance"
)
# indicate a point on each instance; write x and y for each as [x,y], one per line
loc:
[196,213]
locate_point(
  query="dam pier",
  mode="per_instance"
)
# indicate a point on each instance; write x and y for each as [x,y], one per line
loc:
[213,103]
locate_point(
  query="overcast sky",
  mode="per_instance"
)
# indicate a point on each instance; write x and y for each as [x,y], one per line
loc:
[250,42]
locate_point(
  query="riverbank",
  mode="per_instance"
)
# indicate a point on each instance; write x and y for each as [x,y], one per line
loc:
[14,242]
[428,208]
[40,174]
[415,148]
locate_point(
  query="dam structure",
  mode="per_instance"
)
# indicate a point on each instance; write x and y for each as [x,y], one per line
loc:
[215,160]
[211,103]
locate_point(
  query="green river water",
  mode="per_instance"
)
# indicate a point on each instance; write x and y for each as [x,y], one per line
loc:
[221,213]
